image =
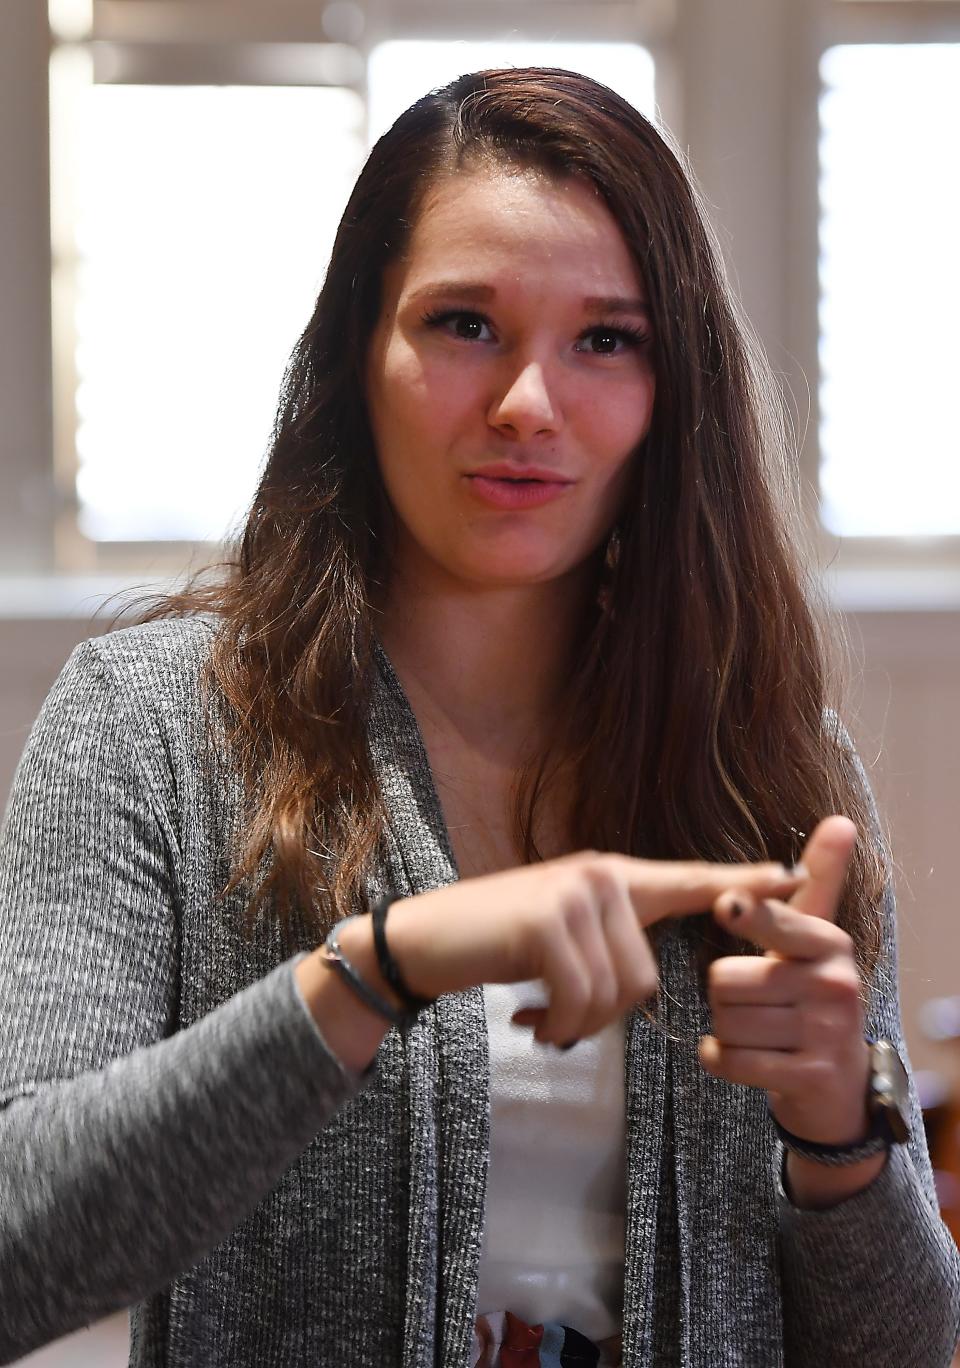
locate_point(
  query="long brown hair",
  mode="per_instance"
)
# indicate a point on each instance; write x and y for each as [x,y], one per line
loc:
[698,714]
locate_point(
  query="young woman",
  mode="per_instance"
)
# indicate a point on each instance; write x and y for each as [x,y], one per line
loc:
[512,679]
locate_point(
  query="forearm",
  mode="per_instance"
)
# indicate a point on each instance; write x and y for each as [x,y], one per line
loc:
[114,1182]
[873,1279]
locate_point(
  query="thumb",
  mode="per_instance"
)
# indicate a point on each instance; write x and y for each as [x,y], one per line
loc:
[825,858]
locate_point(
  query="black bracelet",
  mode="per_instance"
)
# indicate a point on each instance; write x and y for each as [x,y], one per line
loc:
[388,965]
[334,958]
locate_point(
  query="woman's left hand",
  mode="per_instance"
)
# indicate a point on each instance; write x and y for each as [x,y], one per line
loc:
[791,1021]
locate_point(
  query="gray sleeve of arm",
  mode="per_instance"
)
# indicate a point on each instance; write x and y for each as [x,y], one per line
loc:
[876,1279]
[126,1153]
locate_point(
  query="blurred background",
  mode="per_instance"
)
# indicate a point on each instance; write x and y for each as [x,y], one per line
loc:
[172,174]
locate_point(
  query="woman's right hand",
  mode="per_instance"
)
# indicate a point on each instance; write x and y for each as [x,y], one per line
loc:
[577,923]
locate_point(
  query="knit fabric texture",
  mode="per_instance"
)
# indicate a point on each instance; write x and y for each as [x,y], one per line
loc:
[176,1137]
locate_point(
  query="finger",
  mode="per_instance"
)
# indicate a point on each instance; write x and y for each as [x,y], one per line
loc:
[529,1016]
[533,1016]
[780,1071]
[629,949]
[826,857]
[779,927]
[569,983]
[588,932]
[677,888]
[761,1027]
[748,980]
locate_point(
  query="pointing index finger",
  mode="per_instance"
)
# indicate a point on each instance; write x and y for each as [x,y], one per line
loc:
[660,889]
[779,927]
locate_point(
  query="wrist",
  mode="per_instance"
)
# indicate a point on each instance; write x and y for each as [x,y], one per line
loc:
[840,1127]
[356,941]
[816,1187]
[820,1167]
[411,941]
[351,1030]
[836,1115]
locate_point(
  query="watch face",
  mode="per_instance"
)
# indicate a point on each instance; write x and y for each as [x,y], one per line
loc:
[890,1089]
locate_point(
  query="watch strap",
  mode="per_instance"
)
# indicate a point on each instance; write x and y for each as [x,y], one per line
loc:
[877,1141]
[887,1103]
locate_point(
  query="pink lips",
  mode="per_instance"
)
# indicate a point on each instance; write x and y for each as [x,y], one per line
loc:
[507,485]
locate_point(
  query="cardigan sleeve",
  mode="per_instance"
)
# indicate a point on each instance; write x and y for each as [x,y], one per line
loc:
[875,1279]
[128,1149]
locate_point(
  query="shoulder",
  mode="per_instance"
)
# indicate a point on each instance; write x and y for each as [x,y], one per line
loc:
[835,730]
[137,689]
[154,667]
[162,653]
[125,720]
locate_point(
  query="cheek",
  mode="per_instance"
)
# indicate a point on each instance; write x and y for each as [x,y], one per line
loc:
[620,423]
[637,409]
[617,429]
[415,406]
[397,383]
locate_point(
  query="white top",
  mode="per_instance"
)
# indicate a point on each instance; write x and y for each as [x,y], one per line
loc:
[553,1246]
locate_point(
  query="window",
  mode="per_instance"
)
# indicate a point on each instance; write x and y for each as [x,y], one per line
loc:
[890,290]
[739,98]
[199,222]
[402,70]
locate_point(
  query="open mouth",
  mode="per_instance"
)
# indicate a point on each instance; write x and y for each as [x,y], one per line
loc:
[508,491]
[518,479]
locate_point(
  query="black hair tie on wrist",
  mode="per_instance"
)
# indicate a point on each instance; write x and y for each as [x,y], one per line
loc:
[388,965]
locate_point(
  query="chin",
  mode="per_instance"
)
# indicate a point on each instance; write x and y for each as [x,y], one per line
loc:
[512,572]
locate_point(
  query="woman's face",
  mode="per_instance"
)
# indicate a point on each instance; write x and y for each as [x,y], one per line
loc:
[509,379]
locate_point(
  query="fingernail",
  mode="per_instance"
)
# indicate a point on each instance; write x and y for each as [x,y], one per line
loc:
[569,1045]
[799,871]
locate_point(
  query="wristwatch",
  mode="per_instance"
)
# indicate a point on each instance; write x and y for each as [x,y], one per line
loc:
[888,1102]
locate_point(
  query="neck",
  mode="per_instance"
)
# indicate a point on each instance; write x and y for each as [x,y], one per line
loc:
[485,665]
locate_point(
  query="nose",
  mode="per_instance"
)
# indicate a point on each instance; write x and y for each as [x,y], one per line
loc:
[525,407]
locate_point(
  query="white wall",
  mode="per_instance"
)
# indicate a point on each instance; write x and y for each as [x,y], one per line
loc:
[25,410]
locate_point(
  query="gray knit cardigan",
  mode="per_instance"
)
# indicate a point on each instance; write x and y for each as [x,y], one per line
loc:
[175,1135]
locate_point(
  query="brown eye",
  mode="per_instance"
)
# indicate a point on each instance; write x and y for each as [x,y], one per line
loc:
[604,342]
[462,323]
[468,326]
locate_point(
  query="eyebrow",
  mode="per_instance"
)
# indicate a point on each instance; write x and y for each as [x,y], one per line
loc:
[479,293]
[615,304]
